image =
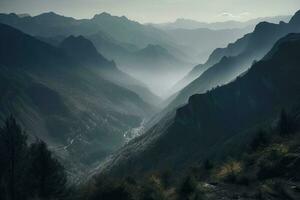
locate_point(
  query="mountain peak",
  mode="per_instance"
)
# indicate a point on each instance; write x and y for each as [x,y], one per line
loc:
[22,15]
[52,17]
[78,47]
[296,18]
[108,17]
[78,44]
[102,15]
[49,14]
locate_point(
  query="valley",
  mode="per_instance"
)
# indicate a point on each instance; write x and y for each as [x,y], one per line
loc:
[114,108]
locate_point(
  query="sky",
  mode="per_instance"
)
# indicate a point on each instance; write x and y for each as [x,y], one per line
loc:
[157,11]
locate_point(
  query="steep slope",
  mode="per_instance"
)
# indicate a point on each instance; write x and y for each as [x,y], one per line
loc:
[219,121]
[84,52]
[66,101]
[227,63]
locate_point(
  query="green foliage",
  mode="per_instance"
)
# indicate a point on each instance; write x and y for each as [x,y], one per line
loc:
[229,171]
[106,189]
[13,155]
[208,165]
[286,125]
[27,172]
[260,140]
[270,164]
[186,188]
[45,175]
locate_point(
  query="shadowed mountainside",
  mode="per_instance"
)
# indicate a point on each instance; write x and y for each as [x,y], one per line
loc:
[68,102]
[218,122]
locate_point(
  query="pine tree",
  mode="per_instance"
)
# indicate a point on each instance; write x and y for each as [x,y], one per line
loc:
[260,140]
[46,177]
[285,124]
[12,156]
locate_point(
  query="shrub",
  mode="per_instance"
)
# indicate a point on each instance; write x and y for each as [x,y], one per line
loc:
[259,140]
[229,171]
[286,124]
[186,188]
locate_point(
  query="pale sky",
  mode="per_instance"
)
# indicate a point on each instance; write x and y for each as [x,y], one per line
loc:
[157,10]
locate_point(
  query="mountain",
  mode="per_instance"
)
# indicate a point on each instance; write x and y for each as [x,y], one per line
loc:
[65,95]
[201,42]
[182,23]
[156,67]
[117,38]
[224,64]
[127,31]
[220,122]
[119,28]
[83,51]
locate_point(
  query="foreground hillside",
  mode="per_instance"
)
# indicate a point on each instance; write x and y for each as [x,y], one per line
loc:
[267,169]
[219,122]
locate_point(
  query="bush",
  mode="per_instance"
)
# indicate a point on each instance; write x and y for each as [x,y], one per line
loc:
[106,189]
[186,188]
[286,124]
[230,171]
[260,140]
[270,165]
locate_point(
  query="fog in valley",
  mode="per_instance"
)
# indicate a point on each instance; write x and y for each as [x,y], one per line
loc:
[149,100]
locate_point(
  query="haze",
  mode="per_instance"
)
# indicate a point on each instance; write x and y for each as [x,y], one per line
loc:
[157,10]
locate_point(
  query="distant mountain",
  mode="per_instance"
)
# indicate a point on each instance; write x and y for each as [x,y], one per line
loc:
[127,31]
[84,52]
[156,67]
[193,24]
[201,42]
[24,15]
[117,38]
[225,64]
[66,96]
[219,122]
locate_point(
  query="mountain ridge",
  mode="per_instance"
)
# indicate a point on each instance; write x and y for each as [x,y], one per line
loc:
[203,127]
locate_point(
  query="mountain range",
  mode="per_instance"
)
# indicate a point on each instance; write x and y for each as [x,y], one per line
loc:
[182,23]
[225,64]
[117,38]
[218,123]
[70,96]
[92,88]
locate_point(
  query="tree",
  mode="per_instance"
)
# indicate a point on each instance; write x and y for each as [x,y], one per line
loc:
[186,188]
[208,165]
[107,189]
[13,149]
[285,124]
[46,177]
[259,140]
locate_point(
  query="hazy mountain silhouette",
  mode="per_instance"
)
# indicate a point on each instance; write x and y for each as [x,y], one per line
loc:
[218,122]
[224,64]
[67,95]
[182,23]
[201,42]
[117,38]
